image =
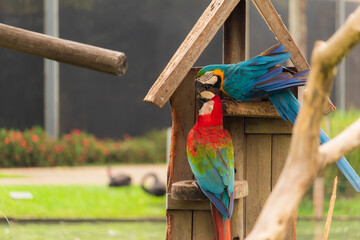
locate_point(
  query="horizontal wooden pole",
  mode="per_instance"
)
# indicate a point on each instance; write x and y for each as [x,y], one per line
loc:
[82,55]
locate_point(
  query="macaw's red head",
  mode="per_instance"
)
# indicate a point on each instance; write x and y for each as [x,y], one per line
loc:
[210,113]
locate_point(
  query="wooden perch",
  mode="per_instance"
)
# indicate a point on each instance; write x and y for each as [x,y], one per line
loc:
[249,109]
[305,160]
[83,55]
[190,50]
[187,190]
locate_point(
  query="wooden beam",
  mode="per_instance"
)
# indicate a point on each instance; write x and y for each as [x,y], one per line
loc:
[277,26]
[190,50]
[61,50]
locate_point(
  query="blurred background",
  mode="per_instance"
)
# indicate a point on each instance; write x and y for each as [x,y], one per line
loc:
[149,32]
[103,119]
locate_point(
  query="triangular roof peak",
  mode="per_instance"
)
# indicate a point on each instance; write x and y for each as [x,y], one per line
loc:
[200,36]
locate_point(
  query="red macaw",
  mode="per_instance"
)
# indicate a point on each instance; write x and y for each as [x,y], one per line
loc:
[211,157]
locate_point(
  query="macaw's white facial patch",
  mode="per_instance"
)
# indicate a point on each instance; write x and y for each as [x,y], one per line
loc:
[207,95]
[207,78]
[207,108]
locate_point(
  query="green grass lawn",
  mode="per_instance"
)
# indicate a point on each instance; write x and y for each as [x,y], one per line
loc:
[305,230]
[73,202]
[88,231]
[84,202]
[7,175]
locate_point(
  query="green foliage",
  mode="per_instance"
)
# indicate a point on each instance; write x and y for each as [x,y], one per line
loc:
[34,147]
[344,206]
[335,123]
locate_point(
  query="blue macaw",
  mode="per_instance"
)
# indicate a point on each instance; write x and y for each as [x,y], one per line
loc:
[263,75]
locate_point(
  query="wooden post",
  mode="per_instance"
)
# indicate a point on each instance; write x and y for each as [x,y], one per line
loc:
[234,50]
[83,55]
[179,223]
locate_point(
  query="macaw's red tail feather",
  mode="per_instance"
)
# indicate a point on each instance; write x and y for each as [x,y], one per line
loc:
[222,227]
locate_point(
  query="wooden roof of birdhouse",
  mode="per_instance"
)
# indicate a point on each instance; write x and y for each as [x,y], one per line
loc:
[200,36]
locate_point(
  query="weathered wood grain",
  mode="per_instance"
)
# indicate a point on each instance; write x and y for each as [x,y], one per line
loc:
[249,109]
[83,55]
[267,126]
[280,149]
[258,175]
[189,51]
[203,226]
[180,222]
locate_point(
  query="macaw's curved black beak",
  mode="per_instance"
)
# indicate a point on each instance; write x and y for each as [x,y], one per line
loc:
[200,87]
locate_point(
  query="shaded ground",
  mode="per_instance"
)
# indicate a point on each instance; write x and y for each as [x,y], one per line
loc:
[96,175]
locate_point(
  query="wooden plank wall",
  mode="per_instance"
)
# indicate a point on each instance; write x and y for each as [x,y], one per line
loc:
[266,148]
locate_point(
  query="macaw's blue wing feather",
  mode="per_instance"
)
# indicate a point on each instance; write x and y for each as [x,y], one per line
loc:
[265,62]
[344,166]
[288,107]
[219,201]
[276,80]
[261,75]
[286,104]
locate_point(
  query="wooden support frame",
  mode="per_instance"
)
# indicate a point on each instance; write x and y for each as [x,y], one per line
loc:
[83,55]
[277,26]
[261,138]
[204,30]
[190,50]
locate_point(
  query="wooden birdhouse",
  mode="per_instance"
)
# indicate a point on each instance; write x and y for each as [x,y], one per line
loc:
[260,137]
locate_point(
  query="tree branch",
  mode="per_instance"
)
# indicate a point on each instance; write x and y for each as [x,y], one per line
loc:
[343,143]
[303,162]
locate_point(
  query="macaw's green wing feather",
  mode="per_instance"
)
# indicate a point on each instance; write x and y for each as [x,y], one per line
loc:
[212,163]
[207,175]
